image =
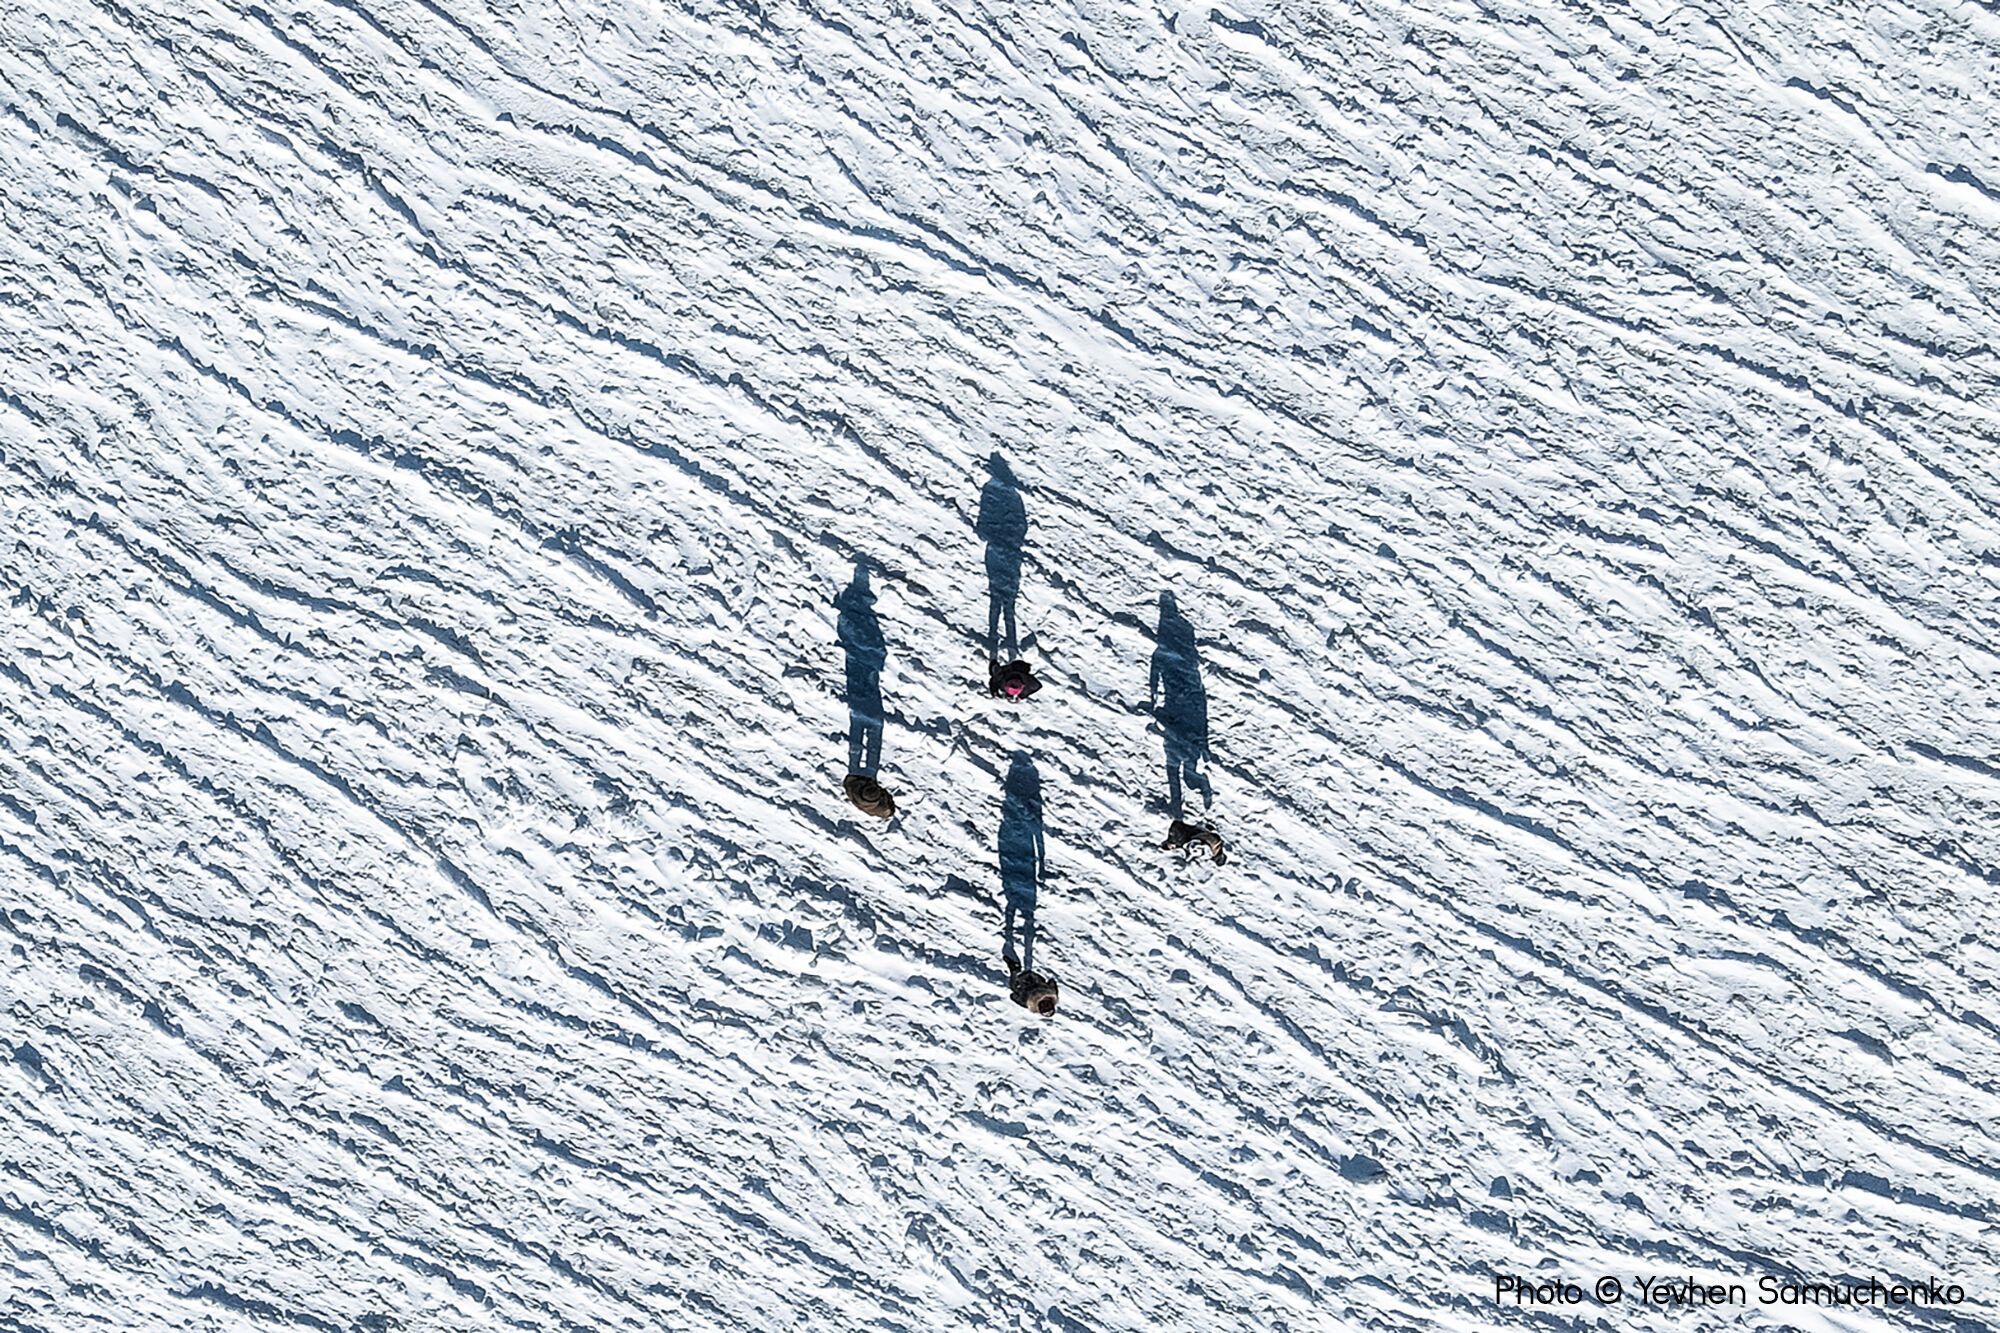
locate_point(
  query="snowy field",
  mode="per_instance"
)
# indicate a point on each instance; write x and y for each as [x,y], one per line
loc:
[433,442]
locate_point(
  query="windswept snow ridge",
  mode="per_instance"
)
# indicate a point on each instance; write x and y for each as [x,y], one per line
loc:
[435,439]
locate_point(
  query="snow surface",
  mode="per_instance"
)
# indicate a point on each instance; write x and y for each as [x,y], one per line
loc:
[434,439]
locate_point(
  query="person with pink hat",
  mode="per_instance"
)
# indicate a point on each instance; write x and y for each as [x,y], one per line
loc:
[1015,680]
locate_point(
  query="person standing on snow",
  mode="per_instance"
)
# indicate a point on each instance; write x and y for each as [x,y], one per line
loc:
[869,796]
[1181,834]
[1015,680]
[1031,990]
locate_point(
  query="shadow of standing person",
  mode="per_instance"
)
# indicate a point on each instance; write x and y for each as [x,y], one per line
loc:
[1003,524]
[860,633]
[1023,866]
[1176,697]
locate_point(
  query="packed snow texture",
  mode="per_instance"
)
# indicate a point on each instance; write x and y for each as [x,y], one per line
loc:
[436,439]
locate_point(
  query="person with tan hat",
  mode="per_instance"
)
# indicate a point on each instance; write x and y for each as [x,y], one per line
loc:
[869,796]
[1183,835]
[1031,990]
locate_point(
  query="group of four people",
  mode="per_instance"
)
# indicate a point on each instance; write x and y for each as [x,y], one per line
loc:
[1175,696]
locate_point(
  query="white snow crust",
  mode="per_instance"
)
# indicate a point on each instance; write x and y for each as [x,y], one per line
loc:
[432,438]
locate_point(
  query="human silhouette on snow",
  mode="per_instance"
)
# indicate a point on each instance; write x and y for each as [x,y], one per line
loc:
[1023,866]
[1176,697]
[860,633]
[1003,525]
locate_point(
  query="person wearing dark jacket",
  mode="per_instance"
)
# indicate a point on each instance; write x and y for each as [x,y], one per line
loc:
[869,796]
[1183,835]
[1015,680]
[1031,990]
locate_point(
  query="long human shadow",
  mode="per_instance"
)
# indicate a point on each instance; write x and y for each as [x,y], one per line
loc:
[1003,524]
[1023,858]
[1176,697]
[860,631]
